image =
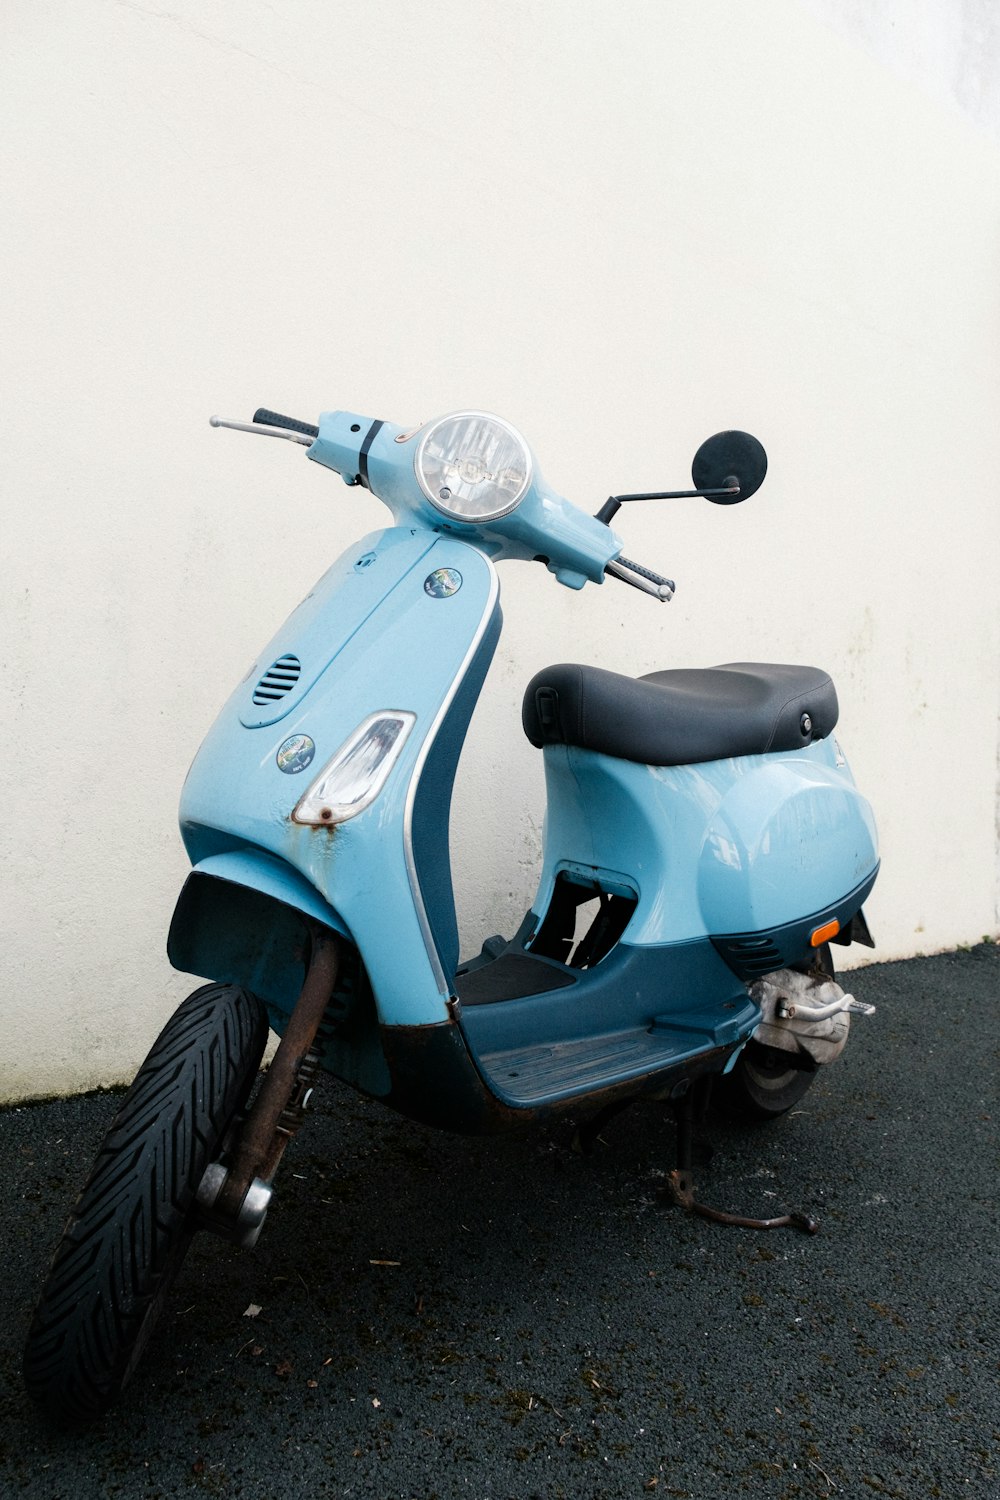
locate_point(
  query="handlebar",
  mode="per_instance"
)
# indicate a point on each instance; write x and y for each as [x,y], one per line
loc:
[643,579]
[269,423]
[274,419]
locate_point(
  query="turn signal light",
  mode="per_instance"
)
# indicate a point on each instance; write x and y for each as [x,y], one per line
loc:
[352,780]
[824,933]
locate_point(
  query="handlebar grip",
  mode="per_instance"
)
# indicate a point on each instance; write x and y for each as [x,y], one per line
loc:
[646,573]
[643,579]
[292,424]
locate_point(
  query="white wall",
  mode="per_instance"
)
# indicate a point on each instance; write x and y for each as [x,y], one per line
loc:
[948,48]
[622,225]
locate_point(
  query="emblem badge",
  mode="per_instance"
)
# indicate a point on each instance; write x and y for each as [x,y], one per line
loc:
[295,754]
[442,583]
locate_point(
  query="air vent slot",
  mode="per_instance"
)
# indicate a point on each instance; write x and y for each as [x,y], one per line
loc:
[279,679]
[762,961]
[751,956]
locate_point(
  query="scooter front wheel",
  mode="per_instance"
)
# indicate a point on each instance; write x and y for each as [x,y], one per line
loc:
[133,1222]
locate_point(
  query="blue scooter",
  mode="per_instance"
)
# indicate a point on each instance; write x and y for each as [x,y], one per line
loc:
[704,844]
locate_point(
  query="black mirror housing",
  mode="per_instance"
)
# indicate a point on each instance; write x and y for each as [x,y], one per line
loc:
[726,458]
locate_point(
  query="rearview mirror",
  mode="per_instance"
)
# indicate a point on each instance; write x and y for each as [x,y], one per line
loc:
[728,458]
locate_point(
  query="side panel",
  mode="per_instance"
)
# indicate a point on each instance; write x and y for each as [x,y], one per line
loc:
[791,837]
[401,645]
[738,845]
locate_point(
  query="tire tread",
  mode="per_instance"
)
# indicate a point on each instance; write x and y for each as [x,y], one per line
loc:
[130,1225]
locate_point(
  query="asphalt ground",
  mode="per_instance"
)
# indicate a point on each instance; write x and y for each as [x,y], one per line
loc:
[445,1317]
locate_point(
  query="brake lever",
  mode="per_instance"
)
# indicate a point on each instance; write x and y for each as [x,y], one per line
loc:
[263,430]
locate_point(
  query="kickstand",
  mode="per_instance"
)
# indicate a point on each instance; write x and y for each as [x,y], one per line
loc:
[681,1182]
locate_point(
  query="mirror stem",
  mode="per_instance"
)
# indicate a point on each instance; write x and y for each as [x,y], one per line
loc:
[613,503]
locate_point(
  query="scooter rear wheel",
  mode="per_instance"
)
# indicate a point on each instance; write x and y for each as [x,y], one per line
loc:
[761,1085]
[131,1226]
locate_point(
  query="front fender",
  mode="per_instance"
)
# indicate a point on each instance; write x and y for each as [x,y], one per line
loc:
[242,918]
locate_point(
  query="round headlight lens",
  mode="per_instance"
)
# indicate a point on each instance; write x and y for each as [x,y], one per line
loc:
[473,467]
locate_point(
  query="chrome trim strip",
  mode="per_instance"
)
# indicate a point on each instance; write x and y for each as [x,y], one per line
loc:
[440,979]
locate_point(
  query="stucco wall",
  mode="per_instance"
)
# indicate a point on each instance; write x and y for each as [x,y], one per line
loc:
[623,226]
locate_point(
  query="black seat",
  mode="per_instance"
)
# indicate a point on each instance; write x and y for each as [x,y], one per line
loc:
[682,716]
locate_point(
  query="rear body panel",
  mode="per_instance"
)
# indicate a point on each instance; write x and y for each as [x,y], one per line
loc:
[733,846]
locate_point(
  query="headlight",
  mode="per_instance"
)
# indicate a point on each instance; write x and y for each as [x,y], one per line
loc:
[473,467]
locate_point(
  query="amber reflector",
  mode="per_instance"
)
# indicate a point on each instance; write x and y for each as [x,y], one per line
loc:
[828,930]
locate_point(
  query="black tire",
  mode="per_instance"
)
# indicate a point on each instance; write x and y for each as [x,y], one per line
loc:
[762,1086]
[133,1221]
